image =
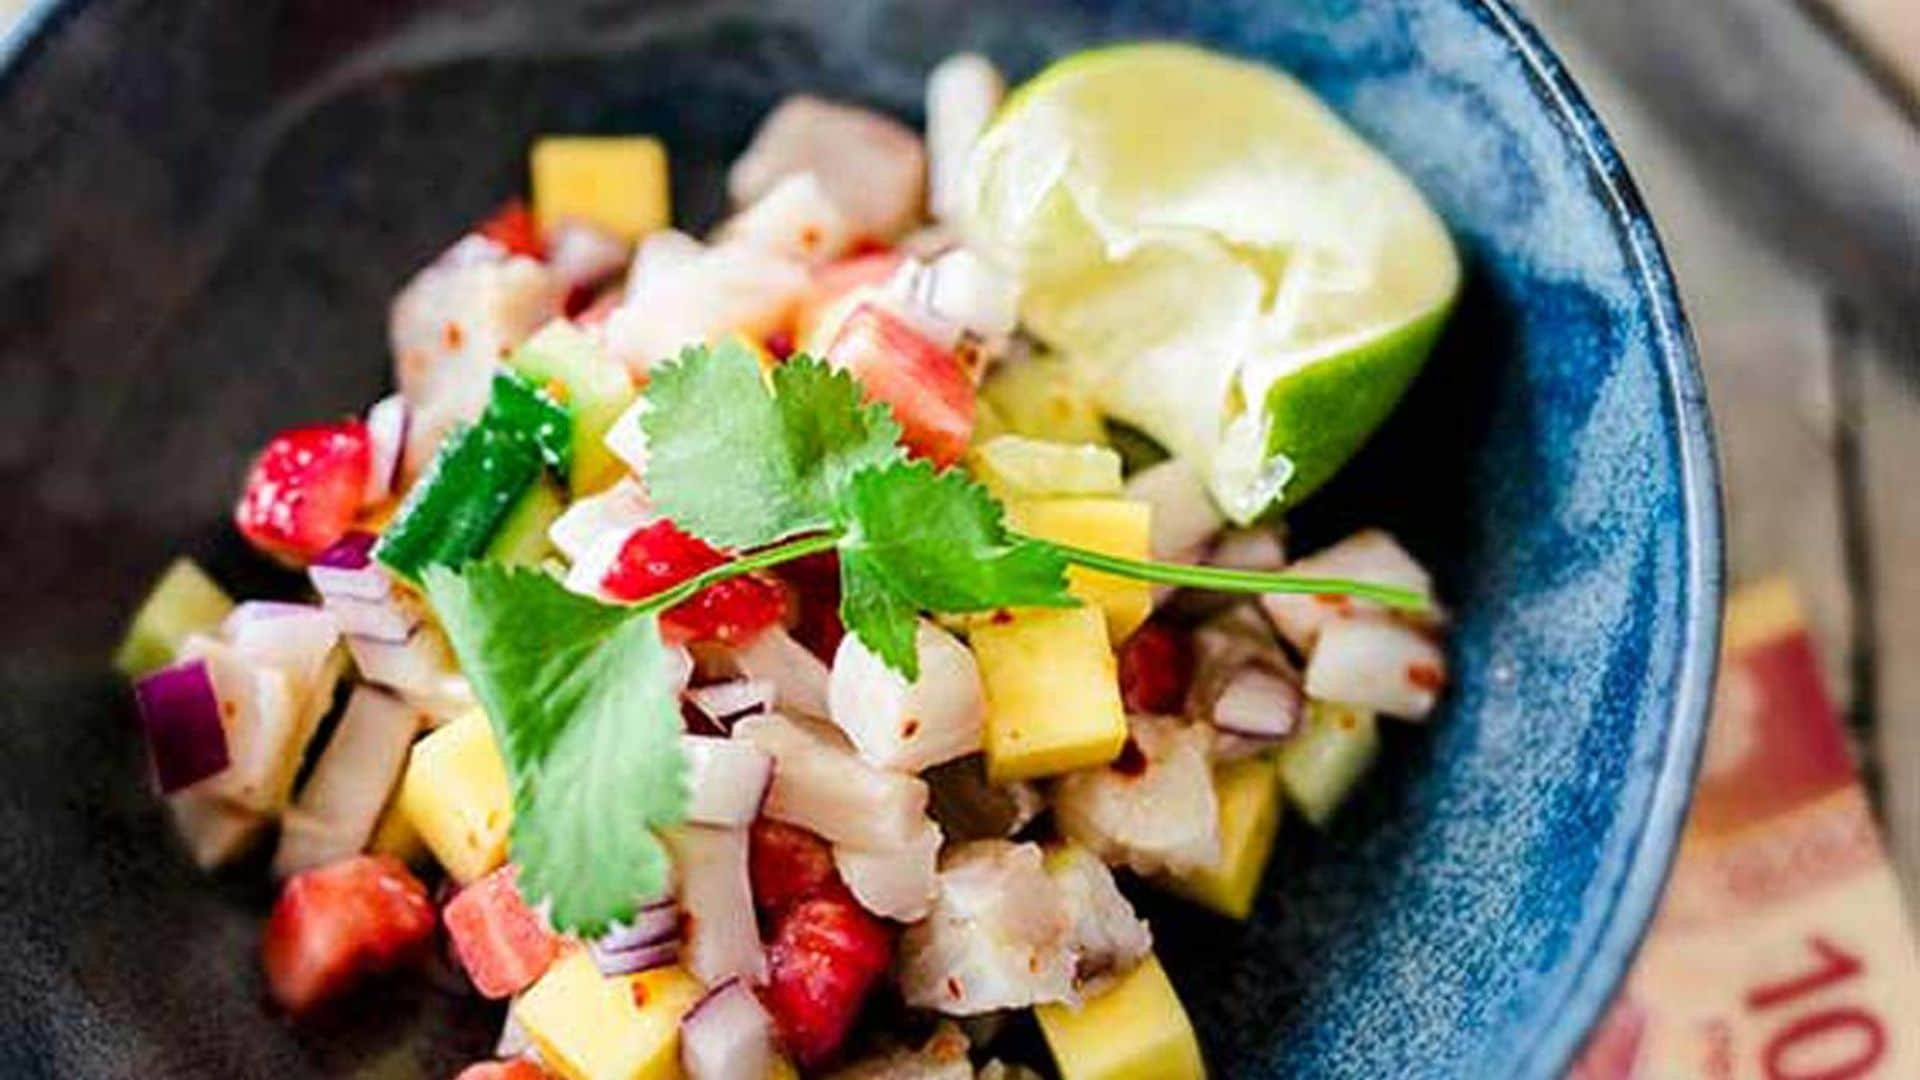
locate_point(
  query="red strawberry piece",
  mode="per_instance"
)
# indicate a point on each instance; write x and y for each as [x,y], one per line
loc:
[512,227]
[1156,667]
[336,924]
[517,1069]
[305,489]
[788,864]
[501,943]
[924,386]
[659,556]
[826,953]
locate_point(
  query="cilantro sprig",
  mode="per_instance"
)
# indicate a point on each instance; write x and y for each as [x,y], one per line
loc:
[776,467]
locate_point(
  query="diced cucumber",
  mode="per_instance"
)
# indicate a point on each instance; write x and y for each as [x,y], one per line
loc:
[522,538]
[1040,398]
[593,388]
[1322,762]
[185,601]
[453,511]
[524,410]
[1016,467]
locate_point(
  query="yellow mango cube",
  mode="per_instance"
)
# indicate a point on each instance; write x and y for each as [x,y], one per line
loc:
[455,794]
[394,834]
[618,183]
[1135,1030]
[592,1027]
[1053,695]
[1249,796]
[1109,526]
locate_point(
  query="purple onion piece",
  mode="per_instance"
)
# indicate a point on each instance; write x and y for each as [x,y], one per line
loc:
[1258,704]
[180,713]
[633,961]
[353,551]
[650,926]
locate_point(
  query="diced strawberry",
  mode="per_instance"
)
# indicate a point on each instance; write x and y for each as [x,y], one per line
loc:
[815,584]
[500,941]
[659,556]
[512,227]
[925,387]
[1156,667]
[832,282]
[825,955]
[305,489]
[517,1069]
[788,864]
[336,924]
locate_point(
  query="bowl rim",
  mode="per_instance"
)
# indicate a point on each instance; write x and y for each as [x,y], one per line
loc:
[1608,948]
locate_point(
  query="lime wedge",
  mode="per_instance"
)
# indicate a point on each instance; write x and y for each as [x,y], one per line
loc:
[1229,267]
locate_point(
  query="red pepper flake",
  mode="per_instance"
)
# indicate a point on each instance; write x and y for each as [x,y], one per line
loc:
[779,344]
[639,993]
[954,989]
[909,729]
[1001,617]
[1132,760]
[1336,601]
[1426,675]
[452,335]
[809,238]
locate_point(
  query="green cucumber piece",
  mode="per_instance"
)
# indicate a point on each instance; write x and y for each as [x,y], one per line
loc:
[1016,467]
[521,409]
[452,513]
[1322,762]
[184,602]
[521,539]
[593,388]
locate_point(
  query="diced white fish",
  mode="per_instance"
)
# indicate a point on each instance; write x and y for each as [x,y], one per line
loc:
[677,297]
[871,165]
[337,808]
[800,679]
[999,936]
[894,883]
[583,255]
[909,726]
[1154,810]
[1107,937]
[796,219]
[1377,664]
[962,93]
[1185,518]
[1370,555]
[621,509]
[723,939]
[821,785]
[449,329]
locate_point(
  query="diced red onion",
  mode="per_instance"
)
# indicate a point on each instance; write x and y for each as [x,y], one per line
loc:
[627,440]
[351,783]
[799,678]
[353,551]
[908,296]
[1258,704]
[1250,549]
[634,961]
[384,620]
[620,509]
[727,1035]
[725,702]
[386,437]
[961,288]
[722,932]
[180,713]
[821,785]
[296,638]
[650,925]
[1184,516]
[588,574]
[414,664]
[728,779]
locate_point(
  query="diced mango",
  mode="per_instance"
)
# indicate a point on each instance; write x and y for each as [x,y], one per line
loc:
[1322,762]
[1119,527]
[456,795]
[782,1069]
[618,183]
[185,601]
[1249,795]
[592,1027]
[395,835]
[1016,467]
[1042,399]
[1053,696]
[1135,1030]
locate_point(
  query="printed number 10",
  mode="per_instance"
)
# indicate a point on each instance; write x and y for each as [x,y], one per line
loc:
[1790,1052]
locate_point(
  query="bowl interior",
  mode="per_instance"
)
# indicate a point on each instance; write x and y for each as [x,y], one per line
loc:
[211,204]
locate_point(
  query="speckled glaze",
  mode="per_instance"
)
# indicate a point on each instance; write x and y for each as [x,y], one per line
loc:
[207,206]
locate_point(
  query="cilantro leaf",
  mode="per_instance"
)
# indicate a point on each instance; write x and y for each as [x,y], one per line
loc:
[739,465]
[919,540]
[585,714]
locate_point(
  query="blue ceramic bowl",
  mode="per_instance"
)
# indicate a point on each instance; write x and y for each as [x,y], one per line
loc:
[208,205]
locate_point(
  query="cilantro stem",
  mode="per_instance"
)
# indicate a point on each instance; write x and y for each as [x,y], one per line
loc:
[745,564]
[1238,581]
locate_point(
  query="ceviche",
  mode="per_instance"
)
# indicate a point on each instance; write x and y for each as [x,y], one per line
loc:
[786,652]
